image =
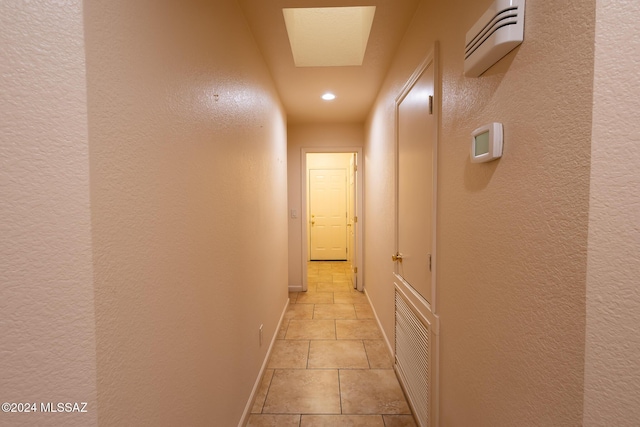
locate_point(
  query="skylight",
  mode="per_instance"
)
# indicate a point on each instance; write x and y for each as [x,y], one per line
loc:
[328,36]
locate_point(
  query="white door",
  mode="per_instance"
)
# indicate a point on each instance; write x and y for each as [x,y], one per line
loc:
[416,144]
[328,214]
[417,364]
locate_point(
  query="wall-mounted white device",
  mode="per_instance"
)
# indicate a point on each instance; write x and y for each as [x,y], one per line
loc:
[495,34]
[486,143]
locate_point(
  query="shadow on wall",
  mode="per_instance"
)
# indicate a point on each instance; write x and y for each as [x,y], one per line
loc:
[478,175]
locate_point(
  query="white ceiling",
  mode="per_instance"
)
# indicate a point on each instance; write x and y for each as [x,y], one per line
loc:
[355,87]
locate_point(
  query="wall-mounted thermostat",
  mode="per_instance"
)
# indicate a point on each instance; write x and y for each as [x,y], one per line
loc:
[486,143]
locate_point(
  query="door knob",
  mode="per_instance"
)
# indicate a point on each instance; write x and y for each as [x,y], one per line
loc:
[396,257]
[313,222]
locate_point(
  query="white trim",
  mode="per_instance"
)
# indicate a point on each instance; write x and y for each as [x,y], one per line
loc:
[359,207]
[296,288]
[390,347]
[254,392]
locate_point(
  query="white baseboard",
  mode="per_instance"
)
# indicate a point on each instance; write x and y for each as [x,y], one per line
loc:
[256,386]
[384,335]
[295,288]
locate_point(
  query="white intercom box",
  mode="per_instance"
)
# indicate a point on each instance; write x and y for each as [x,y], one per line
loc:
[495,34]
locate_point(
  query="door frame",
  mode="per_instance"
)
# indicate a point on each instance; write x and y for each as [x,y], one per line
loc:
[431,58]
[359,207]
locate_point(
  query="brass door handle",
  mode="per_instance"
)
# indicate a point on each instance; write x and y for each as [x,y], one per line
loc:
[313,222]
[396,257]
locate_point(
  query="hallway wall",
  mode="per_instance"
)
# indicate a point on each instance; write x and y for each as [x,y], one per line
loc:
[188,154]
[512,234]
[612,355]
[310,136]
[47,331]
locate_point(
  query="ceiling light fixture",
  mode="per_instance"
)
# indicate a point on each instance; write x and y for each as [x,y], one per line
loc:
[328,96]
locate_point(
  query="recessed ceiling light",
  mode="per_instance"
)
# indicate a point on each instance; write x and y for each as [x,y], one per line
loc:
[328,96]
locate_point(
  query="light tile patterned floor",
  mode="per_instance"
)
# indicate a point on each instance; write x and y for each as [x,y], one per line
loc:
[330,365]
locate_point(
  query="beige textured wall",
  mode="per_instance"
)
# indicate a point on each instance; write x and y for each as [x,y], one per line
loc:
[47,345]
[612,366]
[512,234]
[310,136]
[188,191]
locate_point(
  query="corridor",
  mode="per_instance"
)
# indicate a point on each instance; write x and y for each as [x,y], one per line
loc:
[330,365]
[152,215]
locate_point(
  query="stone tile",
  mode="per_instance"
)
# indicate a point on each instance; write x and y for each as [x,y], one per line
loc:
[337,354]
[333,287]
[290,354]
[371,391]
[366,329]
[378,354]
[311,297]
[282,332]
[320,277]
[399,421]
[292,297]
[264,420]
[299,311]
[301,329]
[351,297]
[303,391]
[261,395]
[334,311]
[342,421]
[364,311]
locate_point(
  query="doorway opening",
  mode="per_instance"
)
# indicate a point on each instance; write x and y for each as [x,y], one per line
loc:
[332,209]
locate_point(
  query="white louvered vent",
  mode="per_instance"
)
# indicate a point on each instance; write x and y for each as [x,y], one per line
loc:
[413,357]
[495,34]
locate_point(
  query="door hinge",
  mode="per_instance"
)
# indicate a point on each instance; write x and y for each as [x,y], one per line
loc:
[429,262]
[355,270]
[355,168]
[355,219]
[430,104]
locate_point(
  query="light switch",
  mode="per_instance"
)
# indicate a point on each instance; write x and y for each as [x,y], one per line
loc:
[294,213]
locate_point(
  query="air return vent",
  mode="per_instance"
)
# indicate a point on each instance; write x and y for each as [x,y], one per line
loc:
[496,33]
[416,353]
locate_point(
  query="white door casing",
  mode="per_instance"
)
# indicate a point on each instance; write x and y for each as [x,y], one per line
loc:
[352,254]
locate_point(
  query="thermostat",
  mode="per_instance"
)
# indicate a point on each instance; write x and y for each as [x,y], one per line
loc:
[486,143]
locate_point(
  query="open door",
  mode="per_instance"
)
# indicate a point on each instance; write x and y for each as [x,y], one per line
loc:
[326,160]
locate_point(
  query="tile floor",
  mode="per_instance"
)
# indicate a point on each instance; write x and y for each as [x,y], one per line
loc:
[329,365]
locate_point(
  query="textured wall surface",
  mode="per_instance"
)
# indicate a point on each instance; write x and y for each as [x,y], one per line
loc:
[189,201]
[512,234]
[310,136]
[612,367]
[47,346]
